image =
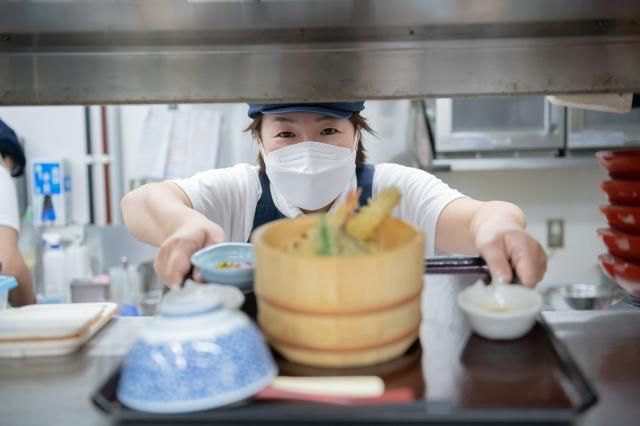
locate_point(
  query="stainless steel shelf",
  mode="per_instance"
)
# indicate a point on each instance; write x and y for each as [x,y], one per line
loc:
[167,51]
[478,164]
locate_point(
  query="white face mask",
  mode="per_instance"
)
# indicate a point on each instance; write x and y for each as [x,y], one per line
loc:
[310,175]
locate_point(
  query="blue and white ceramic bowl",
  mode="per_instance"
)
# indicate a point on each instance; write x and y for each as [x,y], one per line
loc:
[198,353]
[210,262]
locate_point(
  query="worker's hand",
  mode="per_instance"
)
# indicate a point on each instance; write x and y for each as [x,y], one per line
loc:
[512,249]
[173,260]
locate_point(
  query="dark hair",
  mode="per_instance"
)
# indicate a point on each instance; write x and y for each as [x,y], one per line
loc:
[359,124]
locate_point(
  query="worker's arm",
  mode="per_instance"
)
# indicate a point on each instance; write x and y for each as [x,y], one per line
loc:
[13,264]
[496,231]
[161,214]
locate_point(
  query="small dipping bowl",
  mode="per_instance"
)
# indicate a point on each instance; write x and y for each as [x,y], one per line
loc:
[495,321]
[226,263]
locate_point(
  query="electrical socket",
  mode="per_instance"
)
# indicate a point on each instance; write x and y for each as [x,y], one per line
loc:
[555,233]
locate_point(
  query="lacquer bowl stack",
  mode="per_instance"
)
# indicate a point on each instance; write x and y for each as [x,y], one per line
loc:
[622,238]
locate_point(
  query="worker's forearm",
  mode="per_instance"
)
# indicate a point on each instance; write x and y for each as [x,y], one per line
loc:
[154,211]
[24,294]
[13,265]
[494,216]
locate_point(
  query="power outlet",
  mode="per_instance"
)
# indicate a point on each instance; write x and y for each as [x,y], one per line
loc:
[555,233]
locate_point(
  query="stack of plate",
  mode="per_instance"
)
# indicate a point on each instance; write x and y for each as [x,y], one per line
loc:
[622,238]
[56,329]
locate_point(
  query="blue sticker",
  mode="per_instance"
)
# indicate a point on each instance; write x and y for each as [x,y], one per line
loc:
[47,179]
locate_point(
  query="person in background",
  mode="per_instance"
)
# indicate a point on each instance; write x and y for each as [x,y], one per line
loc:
[311,156]
[12,165]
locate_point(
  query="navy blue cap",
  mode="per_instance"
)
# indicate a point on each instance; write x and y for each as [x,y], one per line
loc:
[335,109]
[9,145]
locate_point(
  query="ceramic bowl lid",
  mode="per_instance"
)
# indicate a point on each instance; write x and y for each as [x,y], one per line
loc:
[195,299]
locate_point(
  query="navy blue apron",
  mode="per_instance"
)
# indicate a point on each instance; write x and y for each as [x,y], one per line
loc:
[266,210]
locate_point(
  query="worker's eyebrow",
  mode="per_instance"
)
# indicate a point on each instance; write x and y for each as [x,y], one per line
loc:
[326,118]
[283,119]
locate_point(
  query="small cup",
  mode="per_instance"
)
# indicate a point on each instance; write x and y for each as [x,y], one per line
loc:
[226,263]
[491,320]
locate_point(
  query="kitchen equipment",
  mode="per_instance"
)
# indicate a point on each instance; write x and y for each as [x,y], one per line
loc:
[625,274]
[489,126]
[624,246]
[198,353]
[622,164]
[586,296]
[623,218]
[339,311]
[410,49]
[93,290]
[510,315]
[226,263]
[622,192]
[599,129]
[56,288]
[46,330]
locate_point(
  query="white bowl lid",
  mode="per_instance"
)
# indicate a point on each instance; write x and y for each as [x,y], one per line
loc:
[196,299]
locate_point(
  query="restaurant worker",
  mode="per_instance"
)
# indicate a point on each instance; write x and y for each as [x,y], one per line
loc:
[311,157]
[12,165]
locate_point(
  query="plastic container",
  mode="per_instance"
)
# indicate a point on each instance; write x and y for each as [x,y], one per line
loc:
[6,283]
[56,289]
[77,262]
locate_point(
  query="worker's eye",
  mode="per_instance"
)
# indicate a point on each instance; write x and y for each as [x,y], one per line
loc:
[285,134]
[329,131]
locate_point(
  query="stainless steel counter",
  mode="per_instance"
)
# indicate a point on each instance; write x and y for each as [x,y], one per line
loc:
[56,391]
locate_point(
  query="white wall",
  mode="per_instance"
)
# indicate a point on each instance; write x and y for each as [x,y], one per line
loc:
[55,132]
[572,194]
[390,122]
[235,147]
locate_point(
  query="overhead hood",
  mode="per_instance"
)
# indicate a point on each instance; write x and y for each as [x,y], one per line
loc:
[140,51]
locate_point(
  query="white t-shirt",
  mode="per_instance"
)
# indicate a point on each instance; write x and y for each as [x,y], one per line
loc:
[229,196]
[9,215]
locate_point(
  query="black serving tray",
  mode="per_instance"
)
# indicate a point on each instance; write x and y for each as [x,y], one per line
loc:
[456,378]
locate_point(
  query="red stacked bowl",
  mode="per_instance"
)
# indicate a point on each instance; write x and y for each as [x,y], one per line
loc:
[622,238]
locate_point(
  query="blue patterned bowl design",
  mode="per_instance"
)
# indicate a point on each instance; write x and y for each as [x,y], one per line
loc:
[198,374]
[208,259]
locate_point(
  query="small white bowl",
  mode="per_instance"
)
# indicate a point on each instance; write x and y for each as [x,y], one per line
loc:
[489,319]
